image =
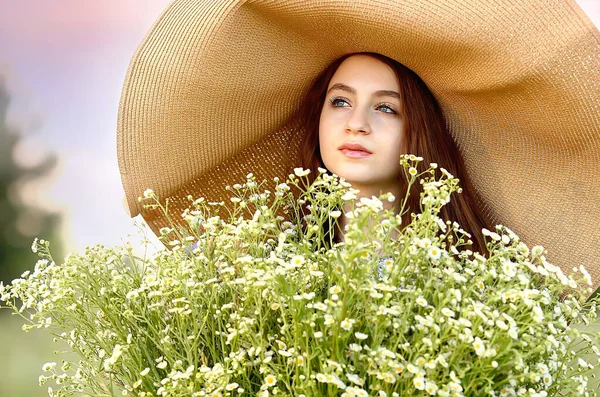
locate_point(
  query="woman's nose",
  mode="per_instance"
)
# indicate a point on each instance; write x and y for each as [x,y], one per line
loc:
[358,122]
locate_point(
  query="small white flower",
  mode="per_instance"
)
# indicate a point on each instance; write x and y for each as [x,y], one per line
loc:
[538,314]
[586,276]
[355,347]
[419,383]
[454,386]
[495,236]
[543,368]
[434,252]
[355,379]
[349,196]
[347,323]
[372,203]
[48,366]
[572,284]
[509,268]
[335,214]
[502,325]
[423,243]
[358,392]
[537,251]
[431,388]
[447,312]
[420,361]
[479,346]
[421,301]
[361,336]
[297,260]
[270,380]
[301,172]
[161,365]
[231,386]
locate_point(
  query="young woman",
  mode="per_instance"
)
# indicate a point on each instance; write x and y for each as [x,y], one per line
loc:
[362,113]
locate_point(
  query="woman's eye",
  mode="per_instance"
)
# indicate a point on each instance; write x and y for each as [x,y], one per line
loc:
[338,102]
[386,109]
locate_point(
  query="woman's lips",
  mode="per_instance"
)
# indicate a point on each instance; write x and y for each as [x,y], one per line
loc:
[355,153]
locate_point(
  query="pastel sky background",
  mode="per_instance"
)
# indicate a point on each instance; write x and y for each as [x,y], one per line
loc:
[65,62]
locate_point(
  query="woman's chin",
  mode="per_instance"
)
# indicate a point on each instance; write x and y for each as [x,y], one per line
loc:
[357,175]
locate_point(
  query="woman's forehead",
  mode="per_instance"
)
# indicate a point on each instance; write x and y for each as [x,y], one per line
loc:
[363,72]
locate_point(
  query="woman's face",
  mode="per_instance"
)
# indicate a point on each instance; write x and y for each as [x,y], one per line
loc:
[362,107]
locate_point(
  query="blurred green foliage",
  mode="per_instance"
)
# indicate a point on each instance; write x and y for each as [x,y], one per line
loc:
[23,355]
[20,223]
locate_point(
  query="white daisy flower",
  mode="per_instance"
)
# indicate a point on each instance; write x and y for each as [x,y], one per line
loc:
[448,312]
[479,346]
[347,323]
[419,383]
[270,380]
[434,253]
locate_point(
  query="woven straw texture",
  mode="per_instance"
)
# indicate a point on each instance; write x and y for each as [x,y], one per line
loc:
[210,93]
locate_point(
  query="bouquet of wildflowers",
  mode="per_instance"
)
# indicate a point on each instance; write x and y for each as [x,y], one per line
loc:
[263,304]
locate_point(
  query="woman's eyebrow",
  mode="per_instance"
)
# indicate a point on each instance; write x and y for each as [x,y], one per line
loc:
[342,87]
[347,88]
[393,94]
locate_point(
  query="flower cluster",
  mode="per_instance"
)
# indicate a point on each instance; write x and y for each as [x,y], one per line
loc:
[256,299]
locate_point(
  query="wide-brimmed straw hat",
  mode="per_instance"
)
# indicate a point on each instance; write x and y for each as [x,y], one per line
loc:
[211,91]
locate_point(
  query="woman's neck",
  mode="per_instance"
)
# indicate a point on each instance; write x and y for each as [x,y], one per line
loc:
[369,192]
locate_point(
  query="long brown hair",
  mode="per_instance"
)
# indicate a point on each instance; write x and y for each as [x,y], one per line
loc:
[426,135]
